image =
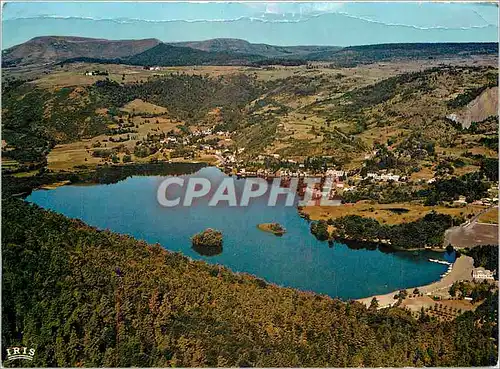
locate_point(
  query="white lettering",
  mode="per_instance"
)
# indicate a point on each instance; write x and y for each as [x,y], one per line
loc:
[325,195]
[309,191]
[249,192]
[192,192]
[227,184]
[162,192]
[277,190]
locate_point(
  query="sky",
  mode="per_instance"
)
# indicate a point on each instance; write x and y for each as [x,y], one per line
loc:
[279,23]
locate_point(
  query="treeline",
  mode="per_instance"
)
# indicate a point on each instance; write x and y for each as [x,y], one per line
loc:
[471,185]
[489,166]
[485,256]
[320,230]
[476,291]
[176,55]
[187,97]
[84,297]
[103,174]
[366,54]
[22,123]
[412,82]
[34,120]
[487,126]
[470,94]
[168,55]
[381,193]
[427,231]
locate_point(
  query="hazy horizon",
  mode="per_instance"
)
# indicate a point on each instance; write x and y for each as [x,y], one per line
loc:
[281,24]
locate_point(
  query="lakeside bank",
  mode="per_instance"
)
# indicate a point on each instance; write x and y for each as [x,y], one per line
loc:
[311,265]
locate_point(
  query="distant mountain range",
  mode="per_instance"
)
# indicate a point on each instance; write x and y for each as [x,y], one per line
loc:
[245,47]
[152,52]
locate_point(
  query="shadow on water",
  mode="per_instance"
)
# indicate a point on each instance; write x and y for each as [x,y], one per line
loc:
[451,254]
[358,245]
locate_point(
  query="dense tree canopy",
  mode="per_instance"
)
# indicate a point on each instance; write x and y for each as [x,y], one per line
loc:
[85,297]
[428,231]
[485,256]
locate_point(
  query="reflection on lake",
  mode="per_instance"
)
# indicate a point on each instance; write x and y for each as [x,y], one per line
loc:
[296,259]
[207,250]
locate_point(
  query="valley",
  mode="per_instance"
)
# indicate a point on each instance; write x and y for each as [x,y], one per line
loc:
[402,138]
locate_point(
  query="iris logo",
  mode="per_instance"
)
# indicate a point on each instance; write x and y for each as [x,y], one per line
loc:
[16,353]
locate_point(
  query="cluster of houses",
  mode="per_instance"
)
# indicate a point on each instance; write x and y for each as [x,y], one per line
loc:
[488,201]
[481,274]
[96,73]
[226,156]
[186,140]
[462,201]
[337,176]
[201,133]
[169,139]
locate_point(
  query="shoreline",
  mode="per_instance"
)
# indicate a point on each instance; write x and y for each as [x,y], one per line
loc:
[461,270]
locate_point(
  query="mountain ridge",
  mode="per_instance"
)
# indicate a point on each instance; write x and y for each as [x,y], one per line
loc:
[54,49]
[242,46]
[222,51]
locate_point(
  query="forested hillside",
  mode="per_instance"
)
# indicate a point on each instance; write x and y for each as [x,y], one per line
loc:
[354,55]
[35,119]
[164,54]
[85,297]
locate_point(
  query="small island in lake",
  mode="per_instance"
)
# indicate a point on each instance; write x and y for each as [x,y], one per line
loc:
[208,242]
[274,228]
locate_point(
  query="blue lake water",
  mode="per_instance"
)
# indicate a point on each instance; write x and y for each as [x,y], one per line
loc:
[296,259]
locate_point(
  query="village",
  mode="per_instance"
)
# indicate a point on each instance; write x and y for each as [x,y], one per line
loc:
[216,146]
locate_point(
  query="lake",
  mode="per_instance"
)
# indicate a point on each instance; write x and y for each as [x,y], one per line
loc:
[295,259]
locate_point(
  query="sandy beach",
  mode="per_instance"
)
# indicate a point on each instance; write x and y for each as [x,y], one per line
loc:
[462,270]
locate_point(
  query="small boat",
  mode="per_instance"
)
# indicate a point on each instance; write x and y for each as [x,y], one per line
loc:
[440,261]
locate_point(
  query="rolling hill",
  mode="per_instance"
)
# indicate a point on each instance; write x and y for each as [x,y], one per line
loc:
[244,47]
[168,55]
[223,51]
[353,55]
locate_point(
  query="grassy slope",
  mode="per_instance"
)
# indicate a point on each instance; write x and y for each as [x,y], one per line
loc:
[383,213]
